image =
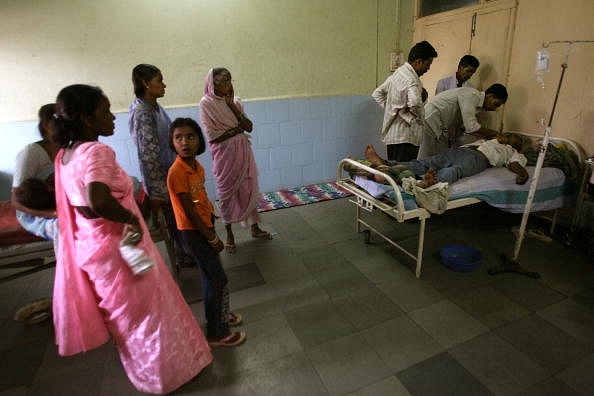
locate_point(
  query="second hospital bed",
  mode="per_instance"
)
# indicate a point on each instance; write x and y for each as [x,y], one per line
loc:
[22,253]
[557,188]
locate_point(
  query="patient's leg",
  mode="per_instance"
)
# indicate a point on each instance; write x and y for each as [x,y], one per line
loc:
[372,155]
[397,172]
[355,170]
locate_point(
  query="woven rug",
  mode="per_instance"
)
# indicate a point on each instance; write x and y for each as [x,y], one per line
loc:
[301,196]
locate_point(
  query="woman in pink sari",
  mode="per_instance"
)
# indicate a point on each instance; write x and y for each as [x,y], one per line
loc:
[234,166]
[96,295]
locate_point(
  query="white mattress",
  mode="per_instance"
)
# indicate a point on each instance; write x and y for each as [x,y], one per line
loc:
[497,187]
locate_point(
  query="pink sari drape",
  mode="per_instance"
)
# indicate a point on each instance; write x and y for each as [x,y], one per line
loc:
[161,345]
[234,165]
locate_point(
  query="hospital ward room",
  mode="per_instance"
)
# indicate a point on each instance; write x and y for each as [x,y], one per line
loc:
[389,197]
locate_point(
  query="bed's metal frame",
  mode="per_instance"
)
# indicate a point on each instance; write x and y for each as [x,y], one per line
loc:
[366,202]
[34,257]
[395,209]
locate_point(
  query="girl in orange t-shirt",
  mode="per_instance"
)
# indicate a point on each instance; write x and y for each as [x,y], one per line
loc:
[194,216]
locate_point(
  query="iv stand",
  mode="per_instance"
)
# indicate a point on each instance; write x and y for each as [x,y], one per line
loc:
[537,169]
[512,265]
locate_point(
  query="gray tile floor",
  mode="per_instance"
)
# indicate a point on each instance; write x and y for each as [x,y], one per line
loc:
[327,314]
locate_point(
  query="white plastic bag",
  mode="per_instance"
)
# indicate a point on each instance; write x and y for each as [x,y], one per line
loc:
[136,258]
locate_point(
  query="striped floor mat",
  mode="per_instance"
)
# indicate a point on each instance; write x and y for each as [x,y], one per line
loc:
[301,196]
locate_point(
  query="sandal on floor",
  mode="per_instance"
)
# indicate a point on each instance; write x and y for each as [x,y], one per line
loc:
[262,235]
[235,319]
[538,234]
[233,339]
[230,248]
[532,233]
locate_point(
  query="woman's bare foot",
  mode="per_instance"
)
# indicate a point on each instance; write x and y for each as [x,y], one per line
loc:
[372,156]
[429,178]
[230,243]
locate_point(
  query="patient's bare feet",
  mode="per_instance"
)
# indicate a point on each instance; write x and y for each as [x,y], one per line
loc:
[429,178]
[372,156]
[379,179]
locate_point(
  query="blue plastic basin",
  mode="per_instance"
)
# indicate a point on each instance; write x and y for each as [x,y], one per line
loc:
[460,257]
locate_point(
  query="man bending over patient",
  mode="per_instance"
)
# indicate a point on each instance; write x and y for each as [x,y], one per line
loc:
[453,164]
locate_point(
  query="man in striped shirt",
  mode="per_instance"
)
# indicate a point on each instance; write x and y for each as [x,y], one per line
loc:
[401,97]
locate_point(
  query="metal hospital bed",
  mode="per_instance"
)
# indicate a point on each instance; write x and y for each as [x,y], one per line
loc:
[495,186]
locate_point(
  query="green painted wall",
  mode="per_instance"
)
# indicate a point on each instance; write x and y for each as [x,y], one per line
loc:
[274,48]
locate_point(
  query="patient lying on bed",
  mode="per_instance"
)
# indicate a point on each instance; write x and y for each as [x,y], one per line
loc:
[454,164]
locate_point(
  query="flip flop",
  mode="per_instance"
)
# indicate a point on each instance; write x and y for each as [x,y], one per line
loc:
[34,312]
[230,248]
[233,339]
[538,234]
[532,233]
[235,319]
[262,235]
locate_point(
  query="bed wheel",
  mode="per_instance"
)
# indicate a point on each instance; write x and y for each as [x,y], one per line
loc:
[367,236]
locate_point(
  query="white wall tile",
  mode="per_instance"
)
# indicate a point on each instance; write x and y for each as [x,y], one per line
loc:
[320,108]
[299,109]
[302,154]
[290,133]
[292,177]
[277,110]
[295,141]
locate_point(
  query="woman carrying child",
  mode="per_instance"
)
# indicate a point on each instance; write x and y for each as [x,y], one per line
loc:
[36,160]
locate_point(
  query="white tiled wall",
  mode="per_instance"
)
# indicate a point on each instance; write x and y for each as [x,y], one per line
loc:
[296,141]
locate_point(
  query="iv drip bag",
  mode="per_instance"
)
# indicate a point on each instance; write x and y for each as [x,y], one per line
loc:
[542,65]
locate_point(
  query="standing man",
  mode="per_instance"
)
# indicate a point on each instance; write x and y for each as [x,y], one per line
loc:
[400,96]
[466,69]
[449,111]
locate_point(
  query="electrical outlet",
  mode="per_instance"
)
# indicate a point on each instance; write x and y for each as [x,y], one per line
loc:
[396,60]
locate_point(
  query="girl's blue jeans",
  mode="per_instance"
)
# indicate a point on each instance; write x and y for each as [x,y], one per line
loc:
[214,283]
